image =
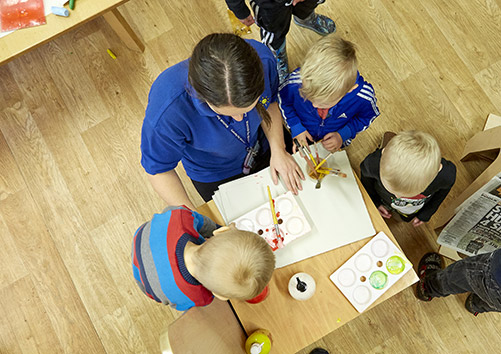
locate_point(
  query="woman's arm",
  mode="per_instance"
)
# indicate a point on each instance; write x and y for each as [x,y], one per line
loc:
[171,190]
[281,162]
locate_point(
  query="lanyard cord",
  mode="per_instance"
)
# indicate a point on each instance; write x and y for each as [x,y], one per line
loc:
[247,144]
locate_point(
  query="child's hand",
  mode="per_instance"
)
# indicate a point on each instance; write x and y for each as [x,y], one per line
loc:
[384,212]
[303,140]
[332,141]
[249,20]
[416,222]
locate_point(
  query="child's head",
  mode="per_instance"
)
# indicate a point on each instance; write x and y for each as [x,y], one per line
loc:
[234,264]
[329,71]
[409,163]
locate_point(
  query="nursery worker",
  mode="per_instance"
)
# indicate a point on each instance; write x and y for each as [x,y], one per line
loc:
[174,264]
[217,113]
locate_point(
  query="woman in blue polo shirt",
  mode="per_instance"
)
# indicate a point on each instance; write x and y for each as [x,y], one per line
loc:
[217,113]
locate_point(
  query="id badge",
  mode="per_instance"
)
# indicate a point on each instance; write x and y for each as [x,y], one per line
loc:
[250,158]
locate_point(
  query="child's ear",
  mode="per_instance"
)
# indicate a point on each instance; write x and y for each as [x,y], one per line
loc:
[224,229]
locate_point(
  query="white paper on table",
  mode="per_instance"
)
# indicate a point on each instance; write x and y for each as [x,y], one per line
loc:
[47,4]
[336,212]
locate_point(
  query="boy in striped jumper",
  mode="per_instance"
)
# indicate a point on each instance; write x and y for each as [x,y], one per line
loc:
[174,264]
[327,99]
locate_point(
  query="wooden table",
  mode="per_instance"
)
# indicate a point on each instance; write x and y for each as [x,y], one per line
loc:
[296,324]
[20,41]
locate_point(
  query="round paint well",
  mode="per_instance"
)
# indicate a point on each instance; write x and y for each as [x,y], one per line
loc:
[346,277]
[284,206]
[378,279]
[362,295]
[263,217]
[379,264]
[363,262]
[380,248]
[245,224]
[294,225]
[395,265]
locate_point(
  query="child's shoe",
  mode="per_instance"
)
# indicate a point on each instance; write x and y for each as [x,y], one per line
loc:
[319,351]
[431,261]
[282,62]
[469,304]
[317,23]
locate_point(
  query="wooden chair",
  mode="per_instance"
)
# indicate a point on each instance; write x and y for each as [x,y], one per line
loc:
[213,329]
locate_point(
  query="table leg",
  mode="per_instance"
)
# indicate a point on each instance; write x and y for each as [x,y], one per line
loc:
[123,30]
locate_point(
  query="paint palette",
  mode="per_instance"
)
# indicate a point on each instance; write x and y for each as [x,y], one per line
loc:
[291,221]
[371,271]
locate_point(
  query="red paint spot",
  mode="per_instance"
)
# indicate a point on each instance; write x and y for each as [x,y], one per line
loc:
[278,214]
[267,230]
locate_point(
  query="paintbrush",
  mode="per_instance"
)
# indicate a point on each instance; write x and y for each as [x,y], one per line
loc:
[302,152]
[316,150]
[323,161]
[272,207]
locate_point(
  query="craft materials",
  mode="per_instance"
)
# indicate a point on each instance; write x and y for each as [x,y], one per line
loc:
[273,213]
[111,53]
[16,14]
[72,4]
[290,220]
[304,154]
[319,181]
[261,297]
[238,27]
[302,286]
[316,150]
[259,342]
[60,11]
[336,213]
[323,161]
[371,271]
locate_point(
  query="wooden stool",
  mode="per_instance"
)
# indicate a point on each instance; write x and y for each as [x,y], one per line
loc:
[213,329]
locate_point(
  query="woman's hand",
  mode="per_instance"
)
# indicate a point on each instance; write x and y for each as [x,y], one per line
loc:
[283,164]
[332,141]
[303,139]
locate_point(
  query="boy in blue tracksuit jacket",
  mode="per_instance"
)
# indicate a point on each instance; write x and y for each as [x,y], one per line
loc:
[327,99]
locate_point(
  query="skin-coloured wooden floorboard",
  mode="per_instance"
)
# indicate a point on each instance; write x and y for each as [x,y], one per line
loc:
[72,191]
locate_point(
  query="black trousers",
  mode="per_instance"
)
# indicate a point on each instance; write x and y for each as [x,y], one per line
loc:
[274,19]
[207,189]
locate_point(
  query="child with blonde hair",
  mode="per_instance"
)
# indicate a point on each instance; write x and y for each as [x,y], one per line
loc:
[327,99]
[174,264]
[408,175]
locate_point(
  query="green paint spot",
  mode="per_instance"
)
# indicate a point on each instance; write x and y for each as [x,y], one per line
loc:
[378,279]
[395,265]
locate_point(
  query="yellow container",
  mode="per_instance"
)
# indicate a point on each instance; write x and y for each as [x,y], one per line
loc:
[238,27]
[259,342]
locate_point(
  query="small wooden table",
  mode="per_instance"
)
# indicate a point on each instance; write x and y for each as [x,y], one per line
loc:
[296,324]
[23,40]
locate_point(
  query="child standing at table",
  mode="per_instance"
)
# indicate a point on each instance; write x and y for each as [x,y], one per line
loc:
[174,264]
[327,99]
[408,176]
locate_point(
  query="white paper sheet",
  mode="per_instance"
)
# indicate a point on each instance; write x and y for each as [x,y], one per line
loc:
[336,211]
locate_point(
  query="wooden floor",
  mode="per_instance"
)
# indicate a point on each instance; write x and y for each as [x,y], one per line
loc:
[72,191]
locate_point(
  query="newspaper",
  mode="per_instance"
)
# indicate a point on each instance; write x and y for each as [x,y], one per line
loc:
[476,228]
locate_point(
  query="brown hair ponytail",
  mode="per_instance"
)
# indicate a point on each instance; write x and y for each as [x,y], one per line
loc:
[224,70]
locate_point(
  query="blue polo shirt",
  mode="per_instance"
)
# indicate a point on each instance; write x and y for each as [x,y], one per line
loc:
[351,115]
[179,127]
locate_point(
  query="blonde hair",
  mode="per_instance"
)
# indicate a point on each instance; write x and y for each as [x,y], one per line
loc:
[409,163]
[329,70]
[235,264]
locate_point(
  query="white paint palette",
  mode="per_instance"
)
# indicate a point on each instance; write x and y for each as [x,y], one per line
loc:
[371,271]
[291,220]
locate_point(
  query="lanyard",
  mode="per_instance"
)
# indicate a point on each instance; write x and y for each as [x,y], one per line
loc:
[247,144]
